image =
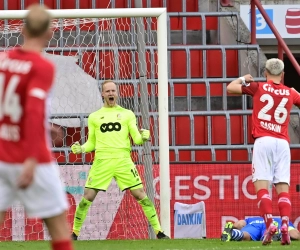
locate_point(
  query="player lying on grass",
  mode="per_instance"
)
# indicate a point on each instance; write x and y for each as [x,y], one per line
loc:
[254,229]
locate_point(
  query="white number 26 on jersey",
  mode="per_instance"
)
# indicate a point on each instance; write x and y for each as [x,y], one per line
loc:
[280,113]
[9,100]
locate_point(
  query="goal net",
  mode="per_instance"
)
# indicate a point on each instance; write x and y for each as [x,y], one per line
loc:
[122,46]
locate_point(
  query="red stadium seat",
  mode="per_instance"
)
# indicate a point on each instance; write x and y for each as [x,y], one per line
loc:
[221,155]
[182,130]
[239,155]
[236,128]
[203,155]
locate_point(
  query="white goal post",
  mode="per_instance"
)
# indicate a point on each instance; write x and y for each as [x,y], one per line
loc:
[162,79]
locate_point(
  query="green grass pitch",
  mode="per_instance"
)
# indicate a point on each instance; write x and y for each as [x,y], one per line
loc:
[189,244]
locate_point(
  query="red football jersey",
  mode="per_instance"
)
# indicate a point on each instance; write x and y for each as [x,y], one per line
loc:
[272,104]
[25,80]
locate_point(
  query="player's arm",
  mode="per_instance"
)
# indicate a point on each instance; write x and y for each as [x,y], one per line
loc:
[35,108]
[90,144]
[138,137]
[296,97]
[35,114]
[294,234]
[235,87]
[239,224]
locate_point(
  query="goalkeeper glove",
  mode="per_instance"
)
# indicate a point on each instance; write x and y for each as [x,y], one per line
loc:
[77,148]
[145,134]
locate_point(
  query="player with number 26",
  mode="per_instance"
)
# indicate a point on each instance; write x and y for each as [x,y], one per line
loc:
[272,103]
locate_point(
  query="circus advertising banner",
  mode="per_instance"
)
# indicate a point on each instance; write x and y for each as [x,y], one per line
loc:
[226,190]
[286,19]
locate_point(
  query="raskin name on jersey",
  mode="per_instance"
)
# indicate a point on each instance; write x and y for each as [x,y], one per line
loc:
[271,126]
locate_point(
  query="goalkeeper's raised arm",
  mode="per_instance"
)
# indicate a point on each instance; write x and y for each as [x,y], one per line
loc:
[89,146]
[138,136]
[110,129]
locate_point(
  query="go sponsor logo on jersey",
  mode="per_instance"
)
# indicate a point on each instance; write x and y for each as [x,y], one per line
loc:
[110,126]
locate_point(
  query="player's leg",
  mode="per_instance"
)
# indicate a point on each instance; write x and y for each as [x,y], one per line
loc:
[128,177]
[264,151]
[246,236]
[284,205]
[282,181]
[7,190]
[277,235]
[230,233]
[82,210]
[99,178]
[238,235]
[251,232]
[149,211]
[226,234]
[262,174]
[46,198]
[59,231]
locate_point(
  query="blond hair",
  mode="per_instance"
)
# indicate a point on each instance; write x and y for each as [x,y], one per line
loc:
[275,66]
[37,20]
[107,81]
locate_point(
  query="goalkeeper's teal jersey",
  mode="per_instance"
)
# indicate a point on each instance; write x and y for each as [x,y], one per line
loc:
[109,130]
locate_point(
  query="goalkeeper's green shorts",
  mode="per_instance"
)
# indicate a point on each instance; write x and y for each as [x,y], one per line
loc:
[122,170]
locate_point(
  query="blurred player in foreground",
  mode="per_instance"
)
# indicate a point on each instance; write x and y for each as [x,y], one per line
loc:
[254,229]
[27,171]
[108,134]
[272,103]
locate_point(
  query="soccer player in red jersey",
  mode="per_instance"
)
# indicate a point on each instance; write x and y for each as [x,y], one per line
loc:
[272,103]
[27,171]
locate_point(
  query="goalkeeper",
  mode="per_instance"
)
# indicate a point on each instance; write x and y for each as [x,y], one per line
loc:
[108,134]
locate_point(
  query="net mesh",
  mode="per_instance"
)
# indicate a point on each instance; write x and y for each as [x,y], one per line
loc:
[86,52]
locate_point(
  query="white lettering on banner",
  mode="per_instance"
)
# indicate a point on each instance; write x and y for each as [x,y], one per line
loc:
[236,184]
[221,179]
[244,188]
[155,182]
[201,187]
[183,187]
[189,219]
[205,188]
